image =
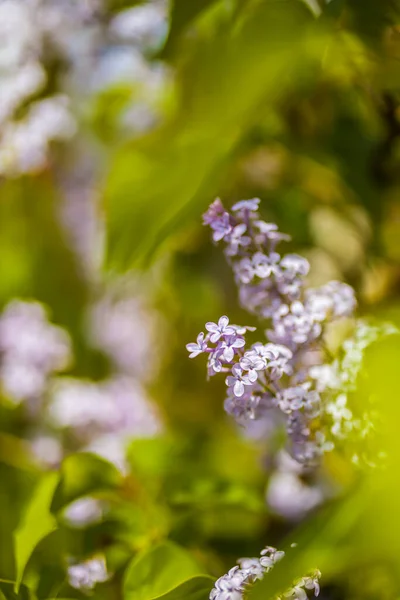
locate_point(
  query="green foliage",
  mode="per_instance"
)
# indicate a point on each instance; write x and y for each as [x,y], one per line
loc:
[265,98]
[7,592]
[161,572]
[84,474]
[37,522]
[153,184]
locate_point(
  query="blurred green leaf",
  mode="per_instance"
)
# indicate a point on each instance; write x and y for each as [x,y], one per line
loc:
[158,571]
[36,523]
[196,588]
[8,592]
[159,180]
[363,526]
[83,474]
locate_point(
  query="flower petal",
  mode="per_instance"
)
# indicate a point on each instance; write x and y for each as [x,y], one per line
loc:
[238,388]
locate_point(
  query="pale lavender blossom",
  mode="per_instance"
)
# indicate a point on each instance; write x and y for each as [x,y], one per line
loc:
[85,576]
[31,350]
[243,408]
[248,205]
[335,299]
[294,325]
[285,372]
[237,239]
[239,580]
[238,380]
[83,512]
[220,329]
[196,348]
[265,265]
[252,362]
[221,227]
[230,345]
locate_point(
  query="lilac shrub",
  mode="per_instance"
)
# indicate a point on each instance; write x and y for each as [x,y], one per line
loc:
[290,373]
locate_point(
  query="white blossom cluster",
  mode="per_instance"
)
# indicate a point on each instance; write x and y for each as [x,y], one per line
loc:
[99,417]
[96,51]
[235,584]
[31,351]
[84,576]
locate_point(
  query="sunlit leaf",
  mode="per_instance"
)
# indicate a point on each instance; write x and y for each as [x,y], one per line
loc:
[83,474]
[7,591]
[158,571]
[157,181]
[36,523]
[196,588]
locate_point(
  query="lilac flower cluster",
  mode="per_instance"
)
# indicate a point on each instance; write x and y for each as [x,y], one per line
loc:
[31,351]
[84,576]
[276,374]
[235,584]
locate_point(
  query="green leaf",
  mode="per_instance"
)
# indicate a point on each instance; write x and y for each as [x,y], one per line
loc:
[196,588]
[83,474]
[8,592]
[37,522]
[161,179]
[158,571]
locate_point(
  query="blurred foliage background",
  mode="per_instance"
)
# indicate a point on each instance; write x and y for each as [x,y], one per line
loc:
[120,122]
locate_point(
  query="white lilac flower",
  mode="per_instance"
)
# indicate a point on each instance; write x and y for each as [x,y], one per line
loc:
[221,227]
[83,512]
[235,584]
[252,362]
[117,406]
[145,26]
[47,451]
[295,265]
[242,408]
[196,348]
[237,240]
[249,205]
[85,576]
[335,299]
[238,380]
[290,497]
[294,325]
[342,416]
[229,345]
[217,330]
[270,556]
[122,324]
[265,265]
[31,350]
[244,270]
[216,360]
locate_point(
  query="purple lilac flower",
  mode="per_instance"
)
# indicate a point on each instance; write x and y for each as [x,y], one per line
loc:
[214,212]
[221,329]
[253,362]
[335,299]
[238,380]
[229,345]
[250,205]
[242,408]
[281,373]
[198,347]
[239,579]
[84,576]
[31,350]
[237,239]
